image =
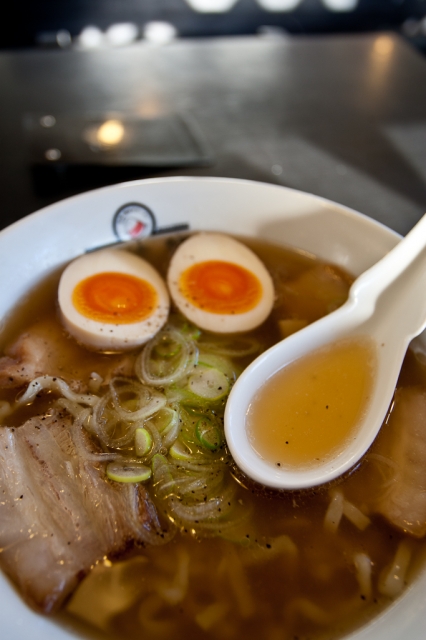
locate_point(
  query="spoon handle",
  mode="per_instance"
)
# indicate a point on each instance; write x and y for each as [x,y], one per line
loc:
[398,283]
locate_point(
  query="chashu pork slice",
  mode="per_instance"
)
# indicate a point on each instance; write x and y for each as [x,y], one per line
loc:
[403,442]
[26,359]
[59,515]
[46,349]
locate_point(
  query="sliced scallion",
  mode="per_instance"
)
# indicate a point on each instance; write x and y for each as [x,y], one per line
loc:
[166,358]
[127,473]
[208,434]
[143,441]
[223,364]
[164,420]
[180,451]
[208,383]
[167,347]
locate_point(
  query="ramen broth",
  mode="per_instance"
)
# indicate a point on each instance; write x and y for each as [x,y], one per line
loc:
[288,567]
[310,409]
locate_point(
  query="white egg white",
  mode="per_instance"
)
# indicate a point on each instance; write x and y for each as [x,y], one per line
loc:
[203,247]
[108,336]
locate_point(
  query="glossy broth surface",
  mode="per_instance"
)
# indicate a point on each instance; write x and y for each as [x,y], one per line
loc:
[308,411]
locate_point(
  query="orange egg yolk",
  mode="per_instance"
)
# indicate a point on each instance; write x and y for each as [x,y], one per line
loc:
[114,298]
[220,287]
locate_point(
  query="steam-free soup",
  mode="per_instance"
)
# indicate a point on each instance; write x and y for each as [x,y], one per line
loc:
[228,558]
[309,410]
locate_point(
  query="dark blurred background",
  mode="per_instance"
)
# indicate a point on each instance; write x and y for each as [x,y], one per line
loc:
[94,23]
[327,96]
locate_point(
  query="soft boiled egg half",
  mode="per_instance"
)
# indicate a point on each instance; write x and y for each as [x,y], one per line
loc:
[220,284]
[112,300]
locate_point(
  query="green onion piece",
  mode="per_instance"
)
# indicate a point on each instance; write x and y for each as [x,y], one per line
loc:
[221,363]
[166,358]
[166,347]
[185,397]
[127,473]
[191,331]
[164,420]
[179,451]
[158,462]
[208,434]
[209,383]
[143,441]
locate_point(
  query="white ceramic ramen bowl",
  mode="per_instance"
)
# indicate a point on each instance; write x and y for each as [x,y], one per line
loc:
[34,246]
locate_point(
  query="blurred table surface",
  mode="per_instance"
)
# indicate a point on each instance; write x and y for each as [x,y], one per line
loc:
[342,117]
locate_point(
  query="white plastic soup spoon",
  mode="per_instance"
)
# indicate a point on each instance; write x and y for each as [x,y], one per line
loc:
[386,304]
